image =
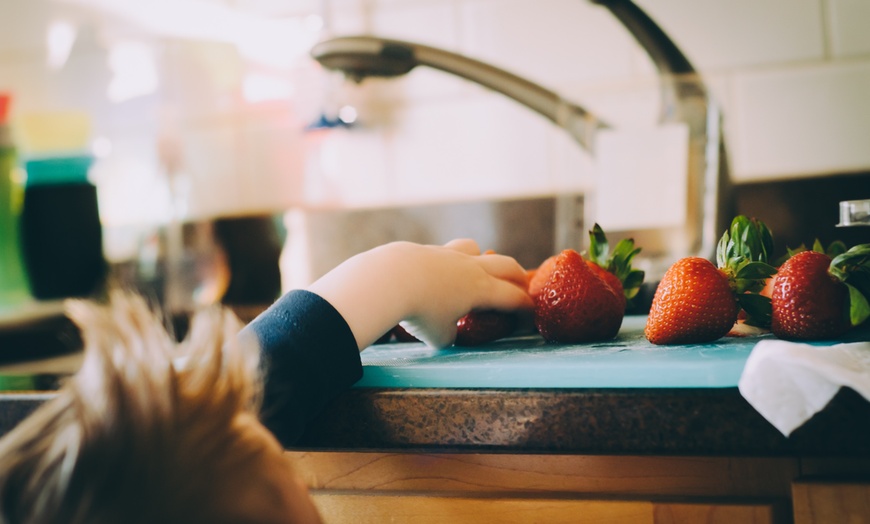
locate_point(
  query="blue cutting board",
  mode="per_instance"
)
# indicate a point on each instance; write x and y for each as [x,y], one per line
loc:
[628,361]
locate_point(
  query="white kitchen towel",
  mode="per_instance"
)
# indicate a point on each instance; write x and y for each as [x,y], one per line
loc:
[789,382]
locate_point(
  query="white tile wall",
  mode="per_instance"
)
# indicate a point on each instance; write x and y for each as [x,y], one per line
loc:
[812,120]
[742,34]
[430,23]
[552,42]
[793,77]
[849,27]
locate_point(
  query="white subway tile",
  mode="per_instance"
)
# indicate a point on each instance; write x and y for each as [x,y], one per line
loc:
[347,17]
[473,148]
[801,121]
[551,42]
[849,22]
[430,24]
[738,33]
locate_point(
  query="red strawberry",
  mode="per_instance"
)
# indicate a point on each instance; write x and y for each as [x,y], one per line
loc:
[693,303]
[480,327]
[576,305]
[611,279]
[697,301]
[816,297]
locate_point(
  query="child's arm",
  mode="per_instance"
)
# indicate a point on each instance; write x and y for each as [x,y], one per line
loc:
[427,287]
[310,339]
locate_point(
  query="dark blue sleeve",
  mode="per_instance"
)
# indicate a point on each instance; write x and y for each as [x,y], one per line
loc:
[309,355]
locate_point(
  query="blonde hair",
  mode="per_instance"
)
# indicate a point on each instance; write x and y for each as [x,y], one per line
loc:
[145,431]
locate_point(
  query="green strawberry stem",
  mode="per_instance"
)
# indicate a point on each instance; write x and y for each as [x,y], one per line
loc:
[742,254]
[853,269]
[618,262]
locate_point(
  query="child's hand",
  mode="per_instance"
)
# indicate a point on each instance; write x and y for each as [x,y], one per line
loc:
[428,288]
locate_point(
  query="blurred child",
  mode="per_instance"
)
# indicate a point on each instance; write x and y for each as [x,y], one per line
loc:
[153,431]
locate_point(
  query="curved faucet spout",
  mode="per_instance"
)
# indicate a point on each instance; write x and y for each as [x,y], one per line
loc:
[364,56]
[684,100]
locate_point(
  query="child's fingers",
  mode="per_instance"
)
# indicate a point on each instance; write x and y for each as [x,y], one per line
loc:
[464,245]
[506,296]
[505,268]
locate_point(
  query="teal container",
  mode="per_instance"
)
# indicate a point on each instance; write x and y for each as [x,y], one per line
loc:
[14,287]
[52,171]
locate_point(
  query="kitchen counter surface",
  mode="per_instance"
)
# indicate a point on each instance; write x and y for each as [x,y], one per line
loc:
[624,397]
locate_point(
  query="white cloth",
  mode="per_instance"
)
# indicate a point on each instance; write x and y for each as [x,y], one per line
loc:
[788,382]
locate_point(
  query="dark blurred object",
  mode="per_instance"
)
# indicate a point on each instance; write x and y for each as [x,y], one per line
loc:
[642,302]
[61,234]
[50,335]
[799,211]
[253,248]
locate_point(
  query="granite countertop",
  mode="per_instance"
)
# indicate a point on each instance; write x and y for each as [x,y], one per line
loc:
[521,396]
[661,421]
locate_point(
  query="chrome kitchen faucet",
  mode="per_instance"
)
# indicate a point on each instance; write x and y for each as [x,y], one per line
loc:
[684,99]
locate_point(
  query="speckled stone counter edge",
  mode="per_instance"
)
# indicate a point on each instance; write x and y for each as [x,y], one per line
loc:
[715,422]
[633,421]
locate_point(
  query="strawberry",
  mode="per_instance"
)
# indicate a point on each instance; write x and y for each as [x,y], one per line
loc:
[538,277]
[693,303]
[834,249]
[697,301]
[817,297]
[480,327]
[473,329]
[576,305]
[615,268]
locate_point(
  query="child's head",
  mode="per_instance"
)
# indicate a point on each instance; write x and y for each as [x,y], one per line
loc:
[151,431]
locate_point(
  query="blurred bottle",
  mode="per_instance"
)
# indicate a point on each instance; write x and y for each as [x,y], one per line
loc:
[13,278]
[61,233]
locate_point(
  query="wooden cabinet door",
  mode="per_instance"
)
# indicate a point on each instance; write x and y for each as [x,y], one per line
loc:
[372,507]
[829,502]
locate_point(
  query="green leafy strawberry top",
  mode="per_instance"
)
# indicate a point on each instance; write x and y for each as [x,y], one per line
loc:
[743,253]
[618,261]
[853,269]
[837,247]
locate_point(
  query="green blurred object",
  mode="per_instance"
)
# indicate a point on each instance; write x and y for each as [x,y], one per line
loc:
[14,287]
[17,383]
[34,382]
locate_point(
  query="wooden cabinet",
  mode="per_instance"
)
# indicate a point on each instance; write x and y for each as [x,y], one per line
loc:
[440,508]
[824,501]
[364,487]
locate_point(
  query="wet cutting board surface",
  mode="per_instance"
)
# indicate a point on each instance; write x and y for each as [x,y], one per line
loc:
[628,361]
